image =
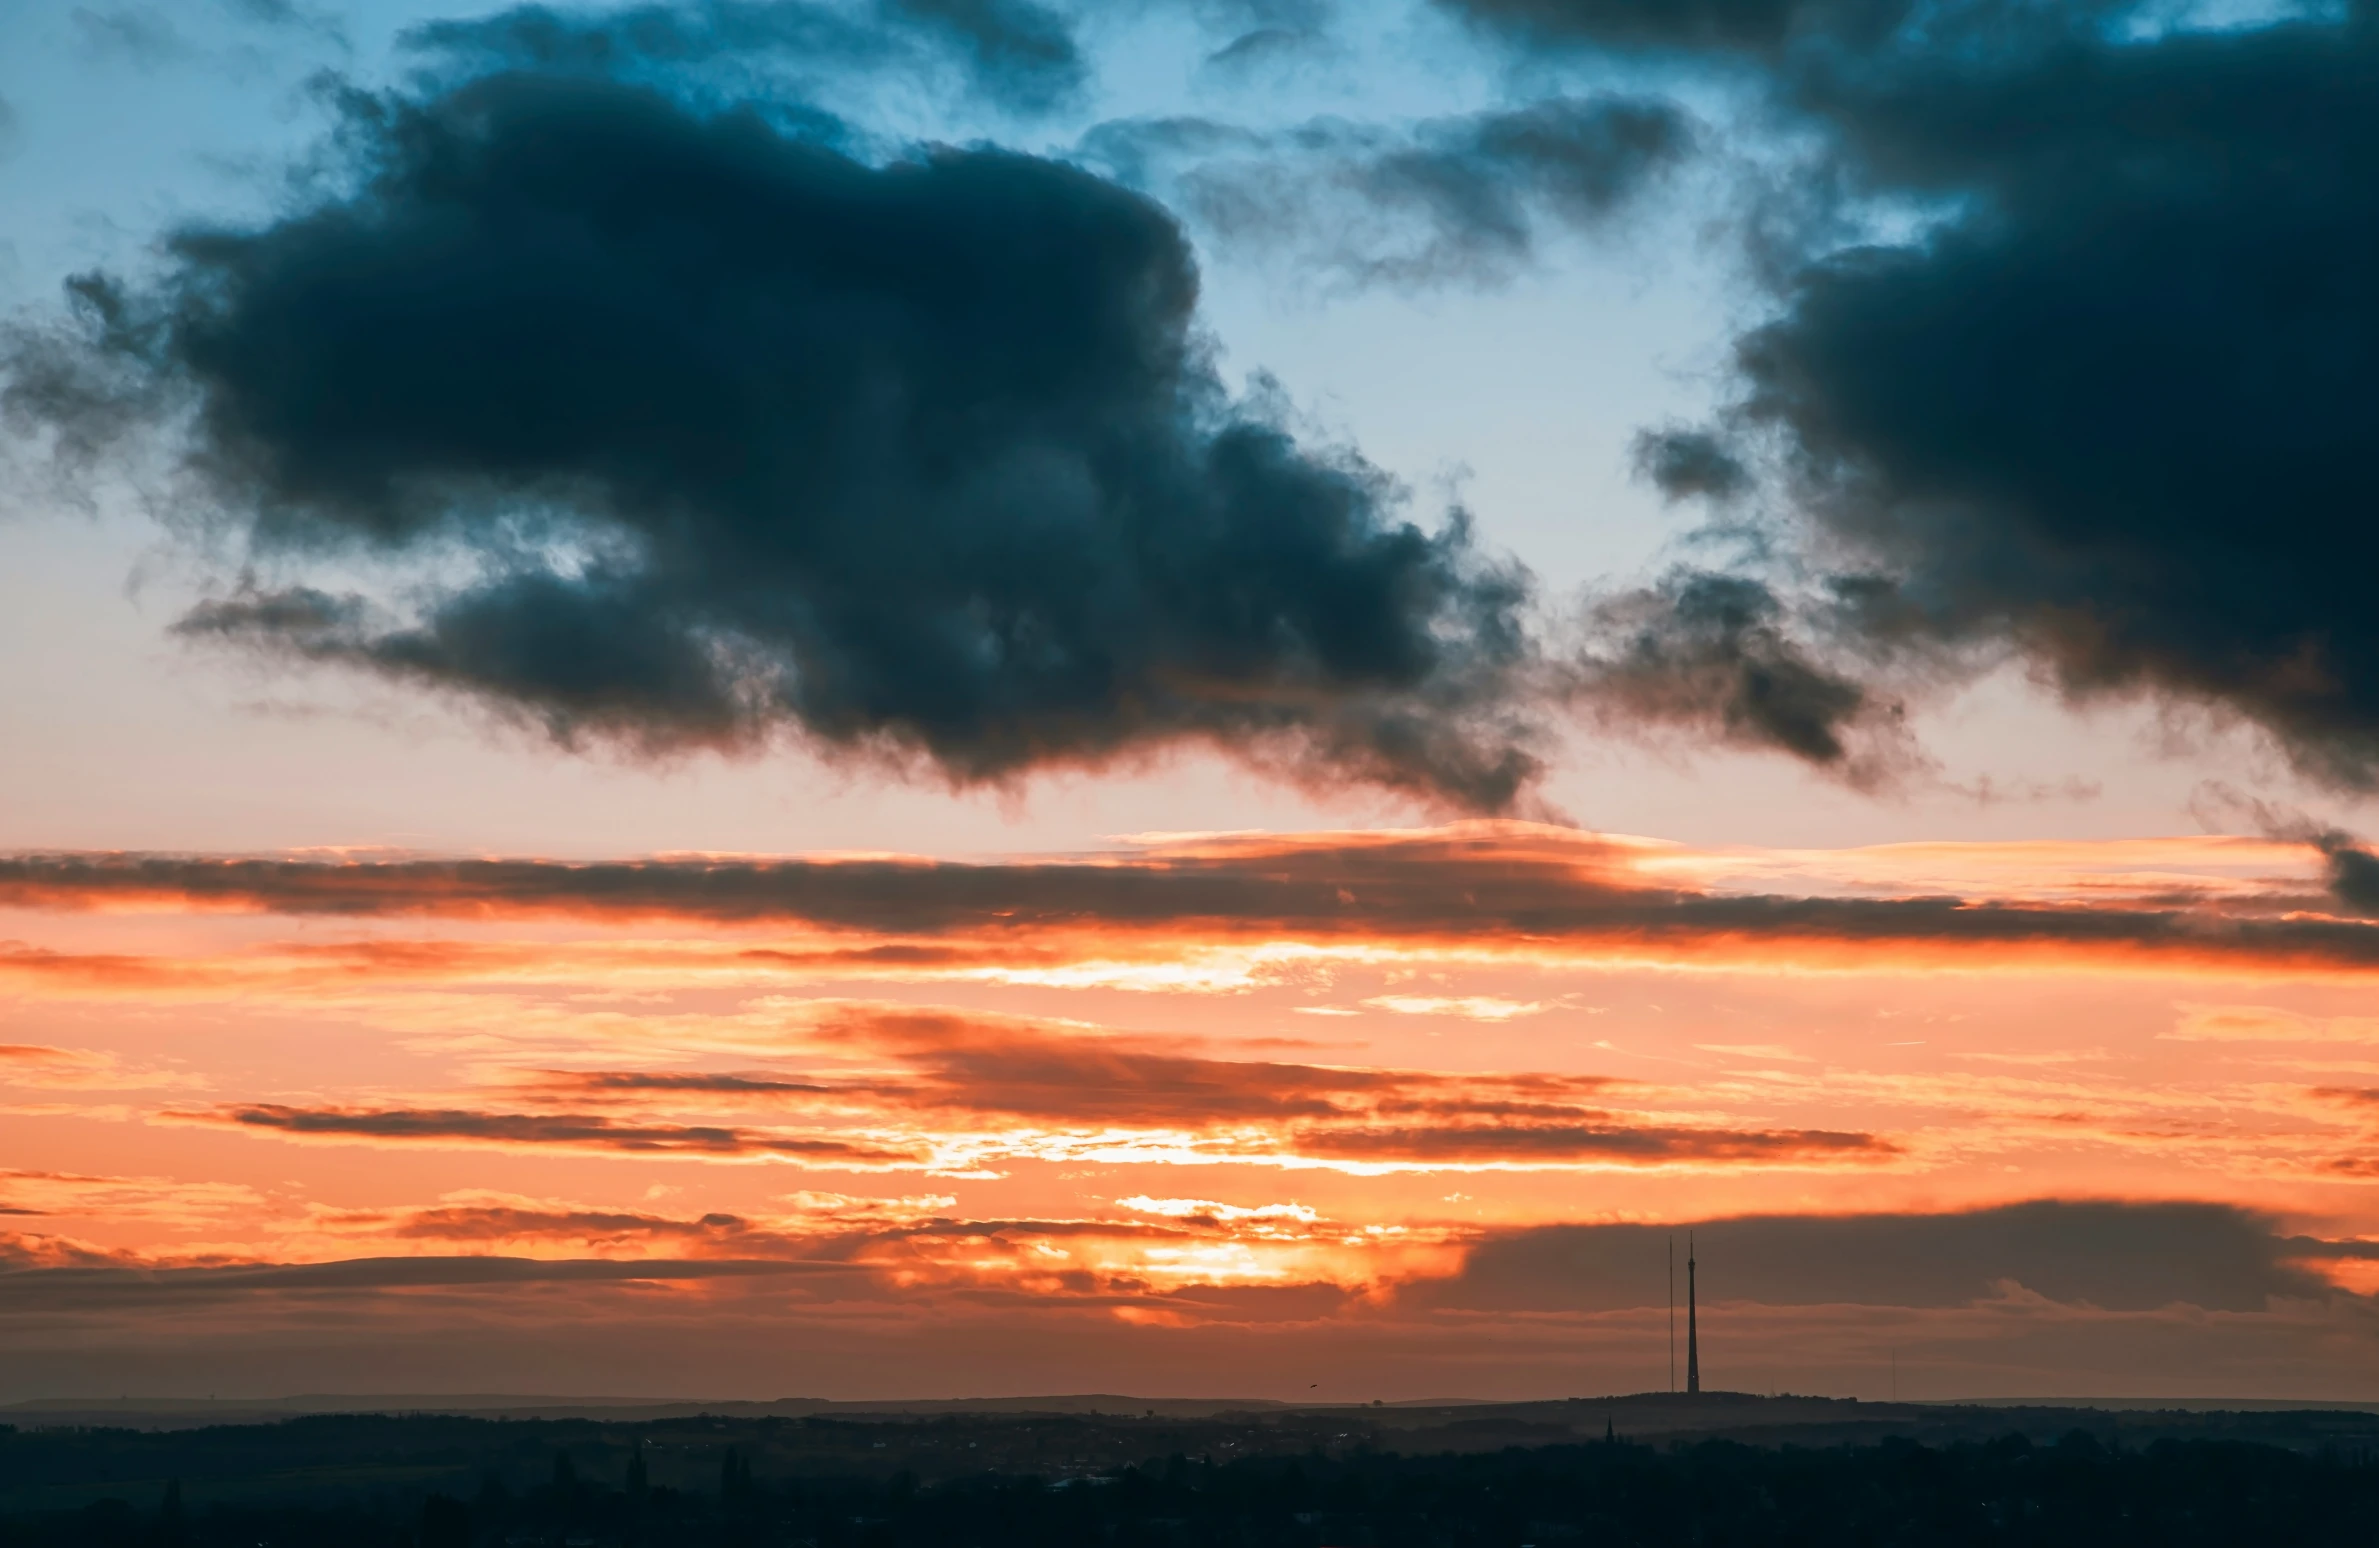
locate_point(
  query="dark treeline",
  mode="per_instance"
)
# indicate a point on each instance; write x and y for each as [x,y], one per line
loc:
[444,1483]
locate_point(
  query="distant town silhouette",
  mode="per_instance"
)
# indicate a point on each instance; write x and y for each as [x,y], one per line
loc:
[1650,1469]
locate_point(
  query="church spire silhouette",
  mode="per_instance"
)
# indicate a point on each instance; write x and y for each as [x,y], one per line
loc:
[1693,1332]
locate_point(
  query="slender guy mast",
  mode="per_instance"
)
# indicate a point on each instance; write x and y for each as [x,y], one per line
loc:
[1693,1332]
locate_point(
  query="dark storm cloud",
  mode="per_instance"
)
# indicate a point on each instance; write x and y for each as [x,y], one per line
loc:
[1015,41]
[1254,50]
[139,35]
[1015,52]
[572,38]
[591,657]
[2122,416]
[1688,464]
[1713,655]
[1464,198]
[2111,406]
[2352,869]
[2114,1255]
[290,16]
[1238,17]
[737,438]
[1744,26]
[2354,875]
[268,13]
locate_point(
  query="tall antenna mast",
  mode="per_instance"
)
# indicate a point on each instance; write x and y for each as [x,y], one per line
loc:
[1672,1311]
[1693,1332]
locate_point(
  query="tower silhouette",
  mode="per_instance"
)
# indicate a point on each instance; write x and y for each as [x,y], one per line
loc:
[1693,1331]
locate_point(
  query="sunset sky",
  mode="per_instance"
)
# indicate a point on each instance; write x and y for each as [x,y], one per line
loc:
[910,698]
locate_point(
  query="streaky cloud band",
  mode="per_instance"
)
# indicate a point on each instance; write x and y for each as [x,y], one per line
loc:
[1492,888]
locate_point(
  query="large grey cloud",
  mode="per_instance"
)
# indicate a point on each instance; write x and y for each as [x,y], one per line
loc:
[1745,26]
[2119,1256]
[1467,198]
[1017,53]
[2109,406]
[713,435]
[1714,656]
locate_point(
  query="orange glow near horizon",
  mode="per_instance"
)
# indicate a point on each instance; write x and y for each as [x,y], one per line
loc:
[1347,1072]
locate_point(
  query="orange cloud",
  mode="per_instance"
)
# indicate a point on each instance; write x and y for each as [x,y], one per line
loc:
[971,1062]
[957,1091]
[567,1131]
[1611,1144]
[1488,889]
[81,1069]
[989,1087]
[592,1227]
[2269,1024]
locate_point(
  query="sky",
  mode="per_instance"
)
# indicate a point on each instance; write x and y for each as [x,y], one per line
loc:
[914,698]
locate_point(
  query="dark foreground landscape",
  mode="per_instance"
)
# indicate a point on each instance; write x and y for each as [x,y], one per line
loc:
[1712,1471]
